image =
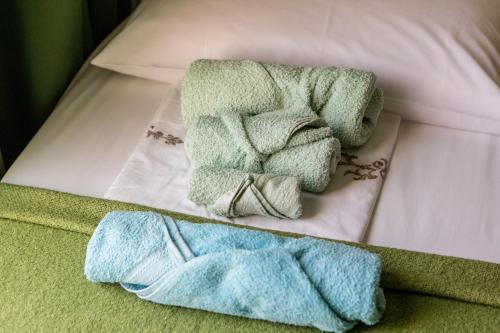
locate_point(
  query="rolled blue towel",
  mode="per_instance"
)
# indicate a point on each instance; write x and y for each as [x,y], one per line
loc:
[292,143]
[347,99]
[234,193]
[235,271]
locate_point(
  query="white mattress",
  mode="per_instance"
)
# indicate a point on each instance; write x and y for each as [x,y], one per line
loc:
[441,194]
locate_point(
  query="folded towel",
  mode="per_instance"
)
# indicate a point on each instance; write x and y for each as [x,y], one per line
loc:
[346,98]
[235,271]
[293,142]
[234,193]
[158,171]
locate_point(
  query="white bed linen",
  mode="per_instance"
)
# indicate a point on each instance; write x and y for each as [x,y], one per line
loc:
[438,62]
[91,133]
[158,171]
[441,194]
[85,142]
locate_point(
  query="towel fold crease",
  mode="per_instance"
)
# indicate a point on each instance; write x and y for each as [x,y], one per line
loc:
[234,193]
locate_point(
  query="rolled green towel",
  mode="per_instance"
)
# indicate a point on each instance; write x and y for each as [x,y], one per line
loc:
[294,142]
[234,193]
[346,98]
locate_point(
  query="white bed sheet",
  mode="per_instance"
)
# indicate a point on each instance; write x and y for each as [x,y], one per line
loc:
[85,142]
[441,194]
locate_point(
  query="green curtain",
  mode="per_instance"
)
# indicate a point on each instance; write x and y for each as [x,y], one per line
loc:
[43,43]
[2,170]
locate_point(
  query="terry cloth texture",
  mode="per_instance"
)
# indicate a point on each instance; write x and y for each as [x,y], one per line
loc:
[43,239]
[346,98]
[158,172]
[293,142]
[235,193]
[247,273]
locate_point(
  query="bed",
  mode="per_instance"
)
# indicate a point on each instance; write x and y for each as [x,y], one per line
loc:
[439,197]
[101,106]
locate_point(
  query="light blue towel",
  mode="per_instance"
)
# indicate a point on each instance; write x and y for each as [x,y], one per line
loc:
[254,274]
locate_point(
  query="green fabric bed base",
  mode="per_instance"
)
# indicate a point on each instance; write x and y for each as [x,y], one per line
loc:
[43,238]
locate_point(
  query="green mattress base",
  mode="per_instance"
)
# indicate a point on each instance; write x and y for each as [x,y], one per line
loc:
[43,238]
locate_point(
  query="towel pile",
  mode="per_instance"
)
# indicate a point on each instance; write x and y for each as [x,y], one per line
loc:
[285,123]
[257,135]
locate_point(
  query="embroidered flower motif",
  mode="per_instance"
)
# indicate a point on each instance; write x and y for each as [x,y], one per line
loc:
[364,171]
[169,138]
[172,140]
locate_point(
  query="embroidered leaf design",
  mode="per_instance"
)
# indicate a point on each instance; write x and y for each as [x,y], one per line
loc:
[169,138]
[172,140]
[364,171]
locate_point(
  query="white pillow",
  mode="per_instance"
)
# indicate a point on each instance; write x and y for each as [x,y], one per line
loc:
[438,61]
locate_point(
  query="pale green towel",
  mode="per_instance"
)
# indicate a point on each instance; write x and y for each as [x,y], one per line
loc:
[235,193]
[292,142]
[346,98]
